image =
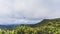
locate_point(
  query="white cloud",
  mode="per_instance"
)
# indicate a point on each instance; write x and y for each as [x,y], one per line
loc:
[16,10]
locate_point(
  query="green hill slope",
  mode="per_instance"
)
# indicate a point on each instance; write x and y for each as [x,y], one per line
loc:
[47,26]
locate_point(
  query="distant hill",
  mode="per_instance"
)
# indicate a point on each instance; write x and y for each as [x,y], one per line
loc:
[45,22]
[47,26]
[49,22]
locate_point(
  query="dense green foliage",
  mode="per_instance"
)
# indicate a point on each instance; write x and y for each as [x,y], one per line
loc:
[44,27]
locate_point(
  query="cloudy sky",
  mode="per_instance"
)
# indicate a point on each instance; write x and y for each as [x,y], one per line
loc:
[28,11]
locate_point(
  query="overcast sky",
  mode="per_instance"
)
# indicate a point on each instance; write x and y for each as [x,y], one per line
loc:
[28,11]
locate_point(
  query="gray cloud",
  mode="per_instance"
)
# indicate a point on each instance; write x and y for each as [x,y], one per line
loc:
[36,8]
[24,11]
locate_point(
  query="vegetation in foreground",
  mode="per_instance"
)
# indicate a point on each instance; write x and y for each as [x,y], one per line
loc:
[45,27]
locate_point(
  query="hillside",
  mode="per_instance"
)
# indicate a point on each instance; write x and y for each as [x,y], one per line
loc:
[47,26]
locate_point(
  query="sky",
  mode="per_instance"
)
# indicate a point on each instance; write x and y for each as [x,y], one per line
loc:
[28,11]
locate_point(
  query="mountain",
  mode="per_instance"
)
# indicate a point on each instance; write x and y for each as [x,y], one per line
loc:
[48,22]
[47,26]
[45,22]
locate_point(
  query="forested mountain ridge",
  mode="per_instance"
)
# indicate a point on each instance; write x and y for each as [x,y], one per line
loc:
[47,26]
